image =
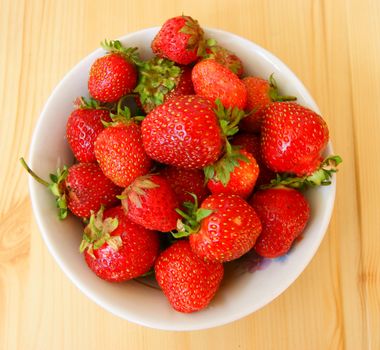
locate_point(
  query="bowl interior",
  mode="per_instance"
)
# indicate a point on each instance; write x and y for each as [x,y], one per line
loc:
[242,293]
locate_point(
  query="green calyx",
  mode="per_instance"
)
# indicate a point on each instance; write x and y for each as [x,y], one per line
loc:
[229,119]
[274,93]
[90,103]
[98,231]
[157,77]
[137,190]
[320,177]
[222,169]
[123,115]
[115,46]
[192,217]
[193,29]
[57,186]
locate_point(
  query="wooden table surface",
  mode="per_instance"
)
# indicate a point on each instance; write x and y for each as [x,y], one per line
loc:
[333,46]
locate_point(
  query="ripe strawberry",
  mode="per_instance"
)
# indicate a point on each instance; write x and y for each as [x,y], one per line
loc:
[114,75]
[251,143]
[151,202]
[82,189]
[160,80]
[224,228]
[261,93]
[183,132]
[293,138]
[188,281]
[284,213]
[117,249]
[82,128]
[178,40]
[120,152]
[87,189]
[213,81]
[186,181]
[242,178]
[226,58]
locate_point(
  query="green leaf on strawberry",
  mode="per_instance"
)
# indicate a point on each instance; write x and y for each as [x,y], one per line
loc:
[157,77]
[97,232]
[115,46]
[192,217]
[320,177]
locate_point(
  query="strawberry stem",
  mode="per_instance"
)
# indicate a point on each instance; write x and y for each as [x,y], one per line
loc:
[33,174]
[274,93]
[56,186]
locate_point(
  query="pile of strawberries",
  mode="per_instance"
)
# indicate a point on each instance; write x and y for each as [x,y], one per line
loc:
[183,164]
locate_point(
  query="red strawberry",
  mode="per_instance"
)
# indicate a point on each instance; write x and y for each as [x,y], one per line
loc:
[213,81]
[178,40]
[224,228]
[293,138]
[117,249]
[114,75]
[160,80]
[183,132]
[185,181]
[241,180]
[261,93]
[120,152]
[284,213]
[188,281]
[82,128]
[251,143]
[82,188]
[151,202]
[226,58]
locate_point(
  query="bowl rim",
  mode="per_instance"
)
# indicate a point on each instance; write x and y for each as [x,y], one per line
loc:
[249,309]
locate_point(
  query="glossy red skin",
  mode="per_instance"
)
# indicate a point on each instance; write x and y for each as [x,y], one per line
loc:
[229,232]
[87,188]
[188,281]
[242,179]
[121,155]
[257,100]
[184,181]
[211,80]
[157,211]
[183,132]
[82,128]
[136,255]
[284,213]
[111,77]
[293,138]
[172,44]
[184,86]
[252,144]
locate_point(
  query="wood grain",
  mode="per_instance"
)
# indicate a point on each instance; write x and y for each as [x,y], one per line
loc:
[332,46]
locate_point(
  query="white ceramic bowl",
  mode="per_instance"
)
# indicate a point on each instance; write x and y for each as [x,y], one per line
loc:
[242,293]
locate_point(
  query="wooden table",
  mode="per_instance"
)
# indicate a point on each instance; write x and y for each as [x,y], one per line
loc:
[333,46]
